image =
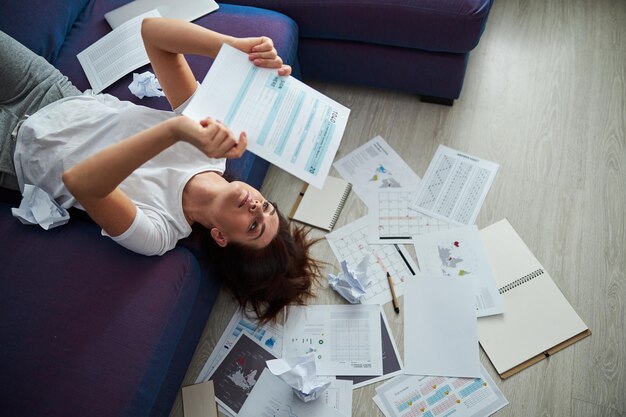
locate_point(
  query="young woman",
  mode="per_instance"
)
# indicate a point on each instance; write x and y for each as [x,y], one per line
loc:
[147,176]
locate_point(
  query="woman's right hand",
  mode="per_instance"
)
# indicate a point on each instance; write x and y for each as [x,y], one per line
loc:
[211,137]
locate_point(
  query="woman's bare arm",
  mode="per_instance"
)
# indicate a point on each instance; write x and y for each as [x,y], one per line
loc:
[94,181]
[168,40]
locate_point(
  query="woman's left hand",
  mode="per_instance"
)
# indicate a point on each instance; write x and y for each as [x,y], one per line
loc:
[262,53]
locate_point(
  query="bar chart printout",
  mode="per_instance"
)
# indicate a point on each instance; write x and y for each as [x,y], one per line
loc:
[433,396]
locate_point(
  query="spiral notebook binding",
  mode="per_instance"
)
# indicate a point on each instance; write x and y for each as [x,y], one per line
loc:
[342,202]
[521,281]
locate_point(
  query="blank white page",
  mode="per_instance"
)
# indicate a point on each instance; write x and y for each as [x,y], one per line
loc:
[536,315]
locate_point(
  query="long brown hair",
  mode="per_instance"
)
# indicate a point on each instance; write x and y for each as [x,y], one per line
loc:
[268,279]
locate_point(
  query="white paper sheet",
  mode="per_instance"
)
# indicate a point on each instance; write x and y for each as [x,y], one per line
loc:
[392,364]
[346,339]
[393,220]
[373,166]
[269,335]
[287,122]
[271,397]
[426,396]
[116,54]
[350,243]
[339,396]
[455,186]
[460,253]
[440,330]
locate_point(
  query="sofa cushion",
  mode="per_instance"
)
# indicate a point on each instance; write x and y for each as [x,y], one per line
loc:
[433,25]
[87,327]
[52,19]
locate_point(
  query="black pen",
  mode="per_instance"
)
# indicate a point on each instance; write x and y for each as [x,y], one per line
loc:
[393,294]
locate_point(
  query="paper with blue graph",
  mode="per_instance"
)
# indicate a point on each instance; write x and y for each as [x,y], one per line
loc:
[288,123]
[431,396]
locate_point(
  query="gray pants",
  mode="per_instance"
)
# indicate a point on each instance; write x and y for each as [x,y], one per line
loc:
[27,83]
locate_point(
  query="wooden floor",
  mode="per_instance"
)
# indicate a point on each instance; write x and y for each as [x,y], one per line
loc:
[545,97]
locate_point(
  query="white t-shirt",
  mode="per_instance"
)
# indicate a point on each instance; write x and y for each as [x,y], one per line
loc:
[69,130]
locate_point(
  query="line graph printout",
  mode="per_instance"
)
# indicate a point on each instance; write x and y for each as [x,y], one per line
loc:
[345,339]
[350,243]
[373,166]
[393,220]
[434,396]
[271,397]
[455,186]
[288,123]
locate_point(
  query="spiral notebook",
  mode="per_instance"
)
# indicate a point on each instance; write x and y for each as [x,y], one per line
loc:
[538,321]
[321,207]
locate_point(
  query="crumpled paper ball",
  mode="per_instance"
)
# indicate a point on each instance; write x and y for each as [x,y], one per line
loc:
[145,85]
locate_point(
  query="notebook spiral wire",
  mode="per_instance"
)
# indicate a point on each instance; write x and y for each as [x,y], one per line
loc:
[342,202]
[521,281]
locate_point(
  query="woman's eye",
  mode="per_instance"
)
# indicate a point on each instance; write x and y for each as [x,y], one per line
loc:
[253,226]
[266,204]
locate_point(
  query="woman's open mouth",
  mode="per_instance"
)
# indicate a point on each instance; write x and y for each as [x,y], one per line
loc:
[245,199]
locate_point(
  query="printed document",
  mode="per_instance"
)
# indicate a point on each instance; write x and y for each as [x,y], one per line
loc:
[270,335]
[455,186]
[116,54]
[271,397]
[288,123]
[392,220]
[350,243]
[346,339]
[460,253]
[392,364]
[429,396]
[375,166]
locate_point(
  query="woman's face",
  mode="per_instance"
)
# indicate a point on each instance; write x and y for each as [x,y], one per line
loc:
[244,216]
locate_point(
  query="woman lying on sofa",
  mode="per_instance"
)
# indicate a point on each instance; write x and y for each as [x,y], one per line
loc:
[146,176]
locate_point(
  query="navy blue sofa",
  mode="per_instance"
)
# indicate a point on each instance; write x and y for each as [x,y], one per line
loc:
[90,329]
[417,46]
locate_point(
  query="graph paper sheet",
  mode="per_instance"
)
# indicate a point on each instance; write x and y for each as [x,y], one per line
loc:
[392,220]
[345,338]
[350,243]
